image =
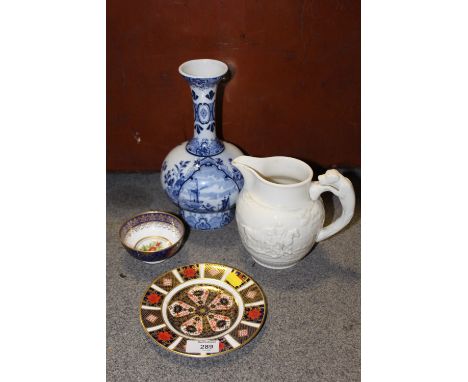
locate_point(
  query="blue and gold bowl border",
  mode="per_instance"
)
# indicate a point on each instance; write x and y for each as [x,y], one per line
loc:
[146,217]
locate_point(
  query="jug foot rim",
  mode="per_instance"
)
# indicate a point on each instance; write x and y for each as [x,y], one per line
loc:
[274,266]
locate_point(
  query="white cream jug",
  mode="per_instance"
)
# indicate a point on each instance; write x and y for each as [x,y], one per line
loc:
[280,213]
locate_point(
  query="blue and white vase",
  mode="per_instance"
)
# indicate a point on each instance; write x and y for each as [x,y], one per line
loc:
[198,174]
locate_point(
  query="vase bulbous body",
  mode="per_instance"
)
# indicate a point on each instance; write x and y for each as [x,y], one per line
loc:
[198,175]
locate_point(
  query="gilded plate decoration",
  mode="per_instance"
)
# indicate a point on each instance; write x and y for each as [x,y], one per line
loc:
[203,304]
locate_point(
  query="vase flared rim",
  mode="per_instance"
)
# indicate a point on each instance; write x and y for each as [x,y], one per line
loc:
[203,68]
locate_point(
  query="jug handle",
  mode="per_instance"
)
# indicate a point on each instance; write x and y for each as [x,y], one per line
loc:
[342,187]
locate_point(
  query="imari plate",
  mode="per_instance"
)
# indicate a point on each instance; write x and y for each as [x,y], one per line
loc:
[203,310]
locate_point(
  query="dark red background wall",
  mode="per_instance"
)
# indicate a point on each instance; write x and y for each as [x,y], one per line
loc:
[294,87]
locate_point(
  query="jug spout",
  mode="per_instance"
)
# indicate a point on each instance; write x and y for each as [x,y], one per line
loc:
[249,168]
[278,181]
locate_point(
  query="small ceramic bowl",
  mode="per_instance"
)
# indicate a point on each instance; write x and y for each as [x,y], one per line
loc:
[152,236]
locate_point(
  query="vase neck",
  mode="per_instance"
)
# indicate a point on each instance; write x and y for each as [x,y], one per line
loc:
[204,142]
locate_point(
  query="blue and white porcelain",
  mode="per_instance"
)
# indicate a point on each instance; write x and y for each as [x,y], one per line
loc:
[198,175]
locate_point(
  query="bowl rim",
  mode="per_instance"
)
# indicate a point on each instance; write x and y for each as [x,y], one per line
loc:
[152,212]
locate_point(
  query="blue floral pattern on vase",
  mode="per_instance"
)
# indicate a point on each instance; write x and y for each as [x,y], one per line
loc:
[208,221]
[205,142]
[204,147]
[198,175]
[204,113]
[203,83]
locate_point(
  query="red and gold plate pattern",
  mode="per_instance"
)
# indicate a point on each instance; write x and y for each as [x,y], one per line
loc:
[203,310]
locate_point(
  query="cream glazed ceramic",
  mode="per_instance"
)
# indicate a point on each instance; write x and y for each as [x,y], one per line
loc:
[280,213]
